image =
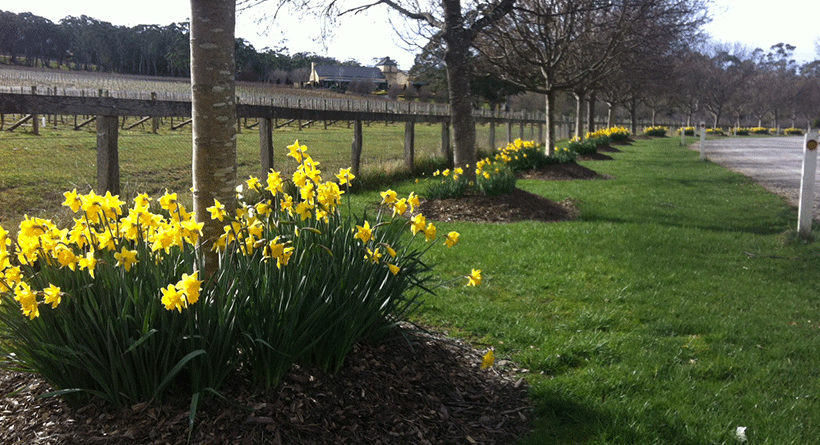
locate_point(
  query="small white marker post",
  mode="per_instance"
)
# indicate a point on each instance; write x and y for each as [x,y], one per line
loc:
[804,213]
[702,141]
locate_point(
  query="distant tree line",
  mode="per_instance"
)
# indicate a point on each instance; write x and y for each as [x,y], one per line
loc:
[85,43]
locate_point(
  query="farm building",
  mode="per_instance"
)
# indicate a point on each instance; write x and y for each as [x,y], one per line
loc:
[386,74]
[340,77]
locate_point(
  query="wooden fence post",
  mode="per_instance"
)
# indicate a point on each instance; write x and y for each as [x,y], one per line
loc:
[446,150]
[356,147]
[266,146]
[409,145]
[154,120]
[35,119]
[108,162]
[492,135]
[509,131]
[238,119]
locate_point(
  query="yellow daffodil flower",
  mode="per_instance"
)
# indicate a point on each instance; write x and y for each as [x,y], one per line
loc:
[190,286]
[430,232]
[126,258]
[297,151]
[474,279]
[393,269]
[413,200]
[388,197]
[418,223]
[88,262]
[451,239]
[303,209]
[217,210]
[364,232]
[488,360]
[53,296]
[168,201]
[373,255]
[172,298]
[399,207]
[345,176]
[72,201]
[253,183]
[274,182]
[142,201]
[263,208]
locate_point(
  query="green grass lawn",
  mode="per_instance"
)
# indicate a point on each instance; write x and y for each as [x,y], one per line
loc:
[678,307]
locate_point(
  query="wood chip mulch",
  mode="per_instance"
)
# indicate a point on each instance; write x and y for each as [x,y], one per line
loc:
[423,389]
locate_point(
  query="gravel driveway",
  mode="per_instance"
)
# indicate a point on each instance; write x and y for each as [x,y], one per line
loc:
[775,163]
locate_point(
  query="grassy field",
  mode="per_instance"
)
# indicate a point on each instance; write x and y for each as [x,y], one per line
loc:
[677,308]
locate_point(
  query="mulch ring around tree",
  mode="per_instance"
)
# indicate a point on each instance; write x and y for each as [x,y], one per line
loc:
[422,389]
[518,205]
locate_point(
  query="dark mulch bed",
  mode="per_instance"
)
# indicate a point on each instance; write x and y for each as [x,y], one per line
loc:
[518,205]
[424,390]
[609,149]
[563,172]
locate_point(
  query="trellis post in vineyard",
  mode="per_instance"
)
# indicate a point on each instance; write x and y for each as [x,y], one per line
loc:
[807,179]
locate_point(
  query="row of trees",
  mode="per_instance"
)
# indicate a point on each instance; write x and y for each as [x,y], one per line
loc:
[637,58]
[89,44]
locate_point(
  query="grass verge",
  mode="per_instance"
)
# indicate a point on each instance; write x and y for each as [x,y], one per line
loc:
[678,308]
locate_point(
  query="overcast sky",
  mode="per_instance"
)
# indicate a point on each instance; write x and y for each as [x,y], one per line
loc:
[756,23]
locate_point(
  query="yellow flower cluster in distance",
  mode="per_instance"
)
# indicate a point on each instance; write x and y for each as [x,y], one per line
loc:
[100,229]
[616,133]
[509,153]
[656,130]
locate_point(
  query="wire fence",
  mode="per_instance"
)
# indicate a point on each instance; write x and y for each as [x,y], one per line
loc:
[36,170]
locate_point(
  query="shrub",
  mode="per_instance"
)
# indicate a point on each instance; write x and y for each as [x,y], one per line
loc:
[656,131]
[741,131]
[793,131]
[715,131]
[689,131]
[759,130]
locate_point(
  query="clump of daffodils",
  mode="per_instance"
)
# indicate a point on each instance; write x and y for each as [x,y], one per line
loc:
[273,223]
[118,293]
[656,131]
[104,239]
[615,134]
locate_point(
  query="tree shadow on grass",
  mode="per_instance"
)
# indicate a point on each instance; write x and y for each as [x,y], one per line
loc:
[565,421]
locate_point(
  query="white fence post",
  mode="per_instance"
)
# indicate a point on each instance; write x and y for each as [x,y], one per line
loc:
[702,140]
[804,214]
